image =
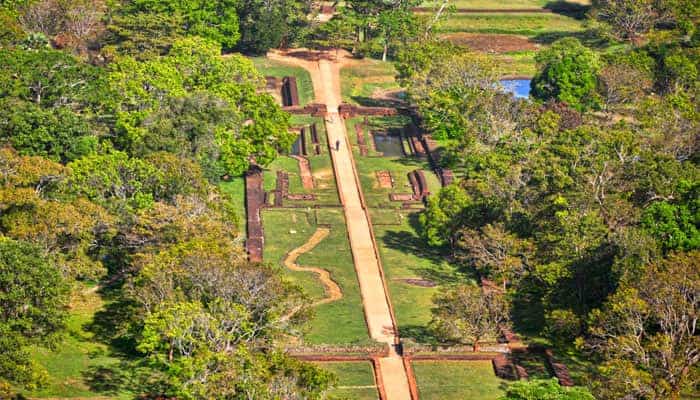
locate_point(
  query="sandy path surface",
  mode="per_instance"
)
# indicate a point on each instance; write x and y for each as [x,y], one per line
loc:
[333,291]
[325,75]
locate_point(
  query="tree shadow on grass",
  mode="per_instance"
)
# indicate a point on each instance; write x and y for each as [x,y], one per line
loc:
[125,376]
[419,334]
[569,9]
[588,37]
[442,271]
[528,310]
[113,326]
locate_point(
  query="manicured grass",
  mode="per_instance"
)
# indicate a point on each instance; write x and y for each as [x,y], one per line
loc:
[405,255]
[279,69]
[473,380]
[360,82]
[339,322]
[515,63]
[501,4]
[355,380]
[70,364]
[399,167]
[321,170]
[531,25]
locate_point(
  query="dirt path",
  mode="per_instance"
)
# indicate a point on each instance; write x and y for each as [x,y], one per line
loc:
[325,75]
[331,288]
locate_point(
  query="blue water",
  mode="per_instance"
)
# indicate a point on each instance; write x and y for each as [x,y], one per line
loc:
[519,87]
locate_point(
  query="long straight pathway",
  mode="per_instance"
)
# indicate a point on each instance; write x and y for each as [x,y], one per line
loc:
[325,75]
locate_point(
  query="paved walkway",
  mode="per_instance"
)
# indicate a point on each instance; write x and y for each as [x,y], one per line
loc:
[325,76]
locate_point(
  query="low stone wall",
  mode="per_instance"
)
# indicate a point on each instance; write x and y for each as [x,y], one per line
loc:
[290,93]
[255,200]
[367,351]
[315,110]
[349,110]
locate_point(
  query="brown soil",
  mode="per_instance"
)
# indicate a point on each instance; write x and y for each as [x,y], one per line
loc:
[384,179]
[420,282]
[492,43]
[307,181]
[332,289]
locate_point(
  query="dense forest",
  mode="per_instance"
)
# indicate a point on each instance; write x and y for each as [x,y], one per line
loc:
[583,204]
[119,118]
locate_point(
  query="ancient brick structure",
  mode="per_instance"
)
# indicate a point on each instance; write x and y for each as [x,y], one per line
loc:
[255,200]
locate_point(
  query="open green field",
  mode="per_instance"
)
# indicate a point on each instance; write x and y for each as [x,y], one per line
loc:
[339,322]
[502,4]
[532,25]
[278,69]
[473,380]
[71,367]
[360,82]
[515,63]
[355,380]
[414,272]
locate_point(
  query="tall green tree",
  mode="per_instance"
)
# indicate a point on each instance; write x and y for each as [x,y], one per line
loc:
[33,299]
[214,20]
[539,389]
[469,314]
[647,332]
[567,72]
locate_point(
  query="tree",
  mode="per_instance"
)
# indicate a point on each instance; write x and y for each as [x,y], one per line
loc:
[207,313]
[143,35]
[495,252]
[245,125]
[646,332]
[33,300]
[50,79]
[213,20]
[58,134]
[626,78]
[676,224]
[541,389]
[68,23]
[114,180]
[469,314]
[628,19]
[271,23]
[568,73]
[444,216]
[455,92]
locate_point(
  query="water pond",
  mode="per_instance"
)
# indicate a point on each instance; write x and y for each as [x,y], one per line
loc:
[389,145]
[519,87]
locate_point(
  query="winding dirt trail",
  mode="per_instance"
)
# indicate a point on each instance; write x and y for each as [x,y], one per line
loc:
[333,291]
[324,69]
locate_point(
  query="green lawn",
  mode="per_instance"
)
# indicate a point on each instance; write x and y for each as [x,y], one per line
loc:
[515,63]
[279,69]
[339,322]
[360,82]
[472,380]
[399,167]
[500,4]
[531,25]
[405,255]
[355,380]
[70,364]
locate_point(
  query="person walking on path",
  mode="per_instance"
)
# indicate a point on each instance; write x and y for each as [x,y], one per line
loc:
[337,145]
